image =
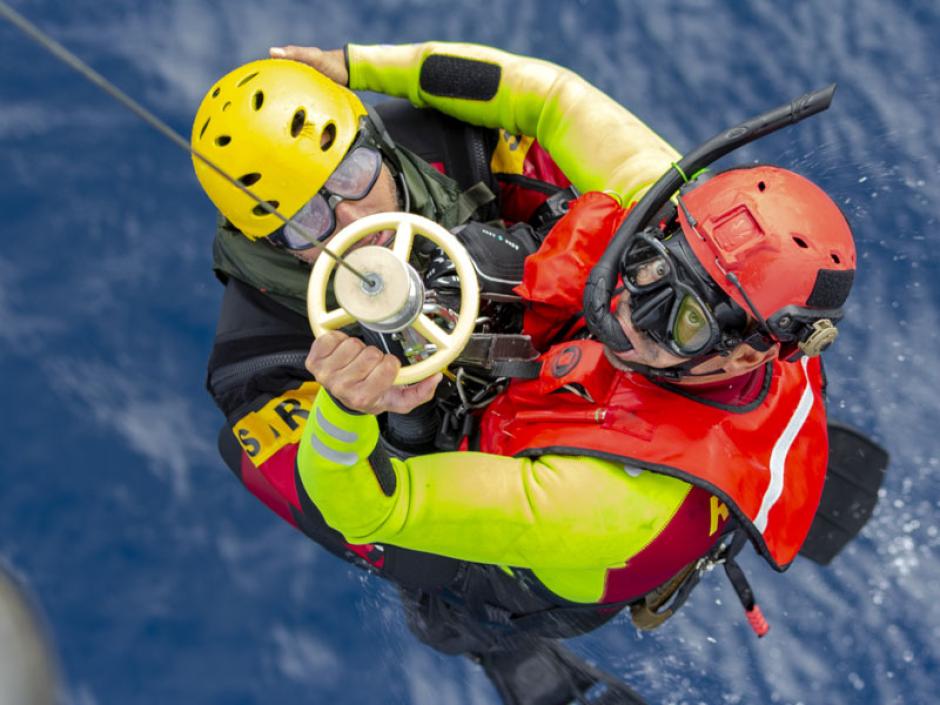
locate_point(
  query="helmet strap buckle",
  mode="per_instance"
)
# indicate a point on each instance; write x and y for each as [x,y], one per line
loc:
[823,334]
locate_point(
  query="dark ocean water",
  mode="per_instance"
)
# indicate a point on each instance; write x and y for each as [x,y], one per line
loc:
[163,581]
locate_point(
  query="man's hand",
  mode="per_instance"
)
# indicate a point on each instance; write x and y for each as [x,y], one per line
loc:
[331,64]
[361,377]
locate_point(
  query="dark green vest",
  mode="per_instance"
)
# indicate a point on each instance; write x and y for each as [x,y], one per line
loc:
[283,277]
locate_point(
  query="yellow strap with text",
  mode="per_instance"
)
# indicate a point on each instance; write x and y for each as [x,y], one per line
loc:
[281,421]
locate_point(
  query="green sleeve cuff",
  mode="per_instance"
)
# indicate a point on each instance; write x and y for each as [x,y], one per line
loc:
[390,69]
[334,468]
[334,437]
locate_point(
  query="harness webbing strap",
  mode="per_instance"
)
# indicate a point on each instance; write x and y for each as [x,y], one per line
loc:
[743,588]
[468,202]
[516,369]
[649,613]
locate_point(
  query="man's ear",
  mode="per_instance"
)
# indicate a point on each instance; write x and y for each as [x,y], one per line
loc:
[745,358]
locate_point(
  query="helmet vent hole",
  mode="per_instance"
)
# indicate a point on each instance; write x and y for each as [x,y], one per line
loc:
[257,100]
[328,137]
[800,242]
[222,140]
[215,93]
[226,106]
[260,210]
[297,122]
[761,186]
[246,79]
[249,179]
[204,126]
[835,257]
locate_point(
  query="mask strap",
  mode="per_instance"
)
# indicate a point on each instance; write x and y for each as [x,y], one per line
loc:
[390,153]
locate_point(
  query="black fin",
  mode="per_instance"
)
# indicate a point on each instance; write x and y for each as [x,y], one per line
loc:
[543,672]
[857,467]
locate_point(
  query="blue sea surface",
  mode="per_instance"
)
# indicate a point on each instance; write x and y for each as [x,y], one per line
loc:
[163,581]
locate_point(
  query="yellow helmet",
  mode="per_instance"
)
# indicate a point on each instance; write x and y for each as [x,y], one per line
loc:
[279,127]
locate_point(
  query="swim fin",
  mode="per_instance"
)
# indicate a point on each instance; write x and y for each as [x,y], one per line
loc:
[857,467]
[543,672]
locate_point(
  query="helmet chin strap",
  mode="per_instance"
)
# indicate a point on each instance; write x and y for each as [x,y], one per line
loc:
[388,149]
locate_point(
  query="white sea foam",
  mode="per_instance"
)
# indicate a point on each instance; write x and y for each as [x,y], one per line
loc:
[158,424]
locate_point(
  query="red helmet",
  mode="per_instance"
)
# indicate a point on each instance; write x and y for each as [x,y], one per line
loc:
[778,246]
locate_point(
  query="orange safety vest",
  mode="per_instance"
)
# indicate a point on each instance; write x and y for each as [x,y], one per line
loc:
[765,461]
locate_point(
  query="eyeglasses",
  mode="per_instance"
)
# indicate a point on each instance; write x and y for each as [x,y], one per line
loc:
[671,302]
[352,180]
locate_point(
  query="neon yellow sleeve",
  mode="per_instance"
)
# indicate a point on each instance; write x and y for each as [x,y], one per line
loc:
[556,515]
[597,143]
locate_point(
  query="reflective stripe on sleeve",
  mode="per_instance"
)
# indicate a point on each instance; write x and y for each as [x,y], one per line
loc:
[334,456]
[334,431]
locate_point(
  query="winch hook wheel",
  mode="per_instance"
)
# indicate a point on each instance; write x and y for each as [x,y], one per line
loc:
[385,302]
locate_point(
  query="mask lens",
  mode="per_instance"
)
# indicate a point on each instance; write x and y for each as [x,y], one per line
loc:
[691,330]
[356,174]
[644,267]
[351,180]
[316,217]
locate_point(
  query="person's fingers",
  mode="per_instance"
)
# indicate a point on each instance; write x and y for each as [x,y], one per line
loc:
[306,55]
[362,377]
[424,390]
[323,346]
[368,393]
[383,375]
[326,366]
[360,366]
[401,400]
[331,63]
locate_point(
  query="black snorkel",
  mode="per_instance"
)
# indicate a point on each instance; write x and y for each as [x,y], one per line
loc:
[599,290]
